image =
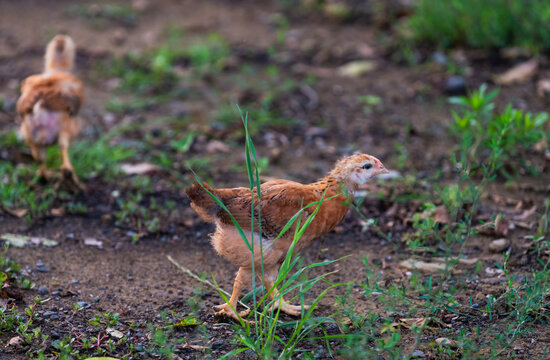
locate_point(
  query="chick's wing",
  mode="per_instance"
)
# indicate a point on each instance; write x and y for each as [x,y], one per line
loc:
[61,92]
[280,201]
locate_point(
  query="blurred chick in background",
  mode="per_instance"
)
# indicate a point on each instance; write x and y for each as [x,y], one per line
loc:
[48,105]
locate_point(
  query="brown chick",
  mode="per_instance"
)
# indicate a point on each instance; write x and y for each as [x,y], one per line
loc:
[280,201]
[48,105]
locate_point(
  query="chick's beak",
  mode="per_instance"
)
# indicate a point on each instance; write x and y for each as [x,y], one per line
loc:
[382,170]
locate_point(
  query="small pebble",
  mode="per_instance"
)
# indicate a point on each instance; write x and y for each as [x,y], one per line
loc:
[499,245]
[55,293]
[75,281]
[43,291]
[218,344]
[48,314]
[439,58]
[42,269]
[418,354]
[83,304]
[455,85]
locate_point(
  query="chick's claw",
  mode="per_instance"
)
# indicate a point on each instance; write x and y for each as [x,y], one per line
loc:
[292,310]
[69,178]
[225,310]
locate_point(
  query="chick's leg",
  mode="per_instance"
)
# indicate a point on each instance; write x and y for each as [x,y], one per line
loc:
[228,309]
[39,154]
[280,303]
[67,170]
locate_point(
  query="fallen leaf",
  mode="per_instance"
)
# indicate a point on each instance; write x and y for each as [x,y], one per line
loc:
[115,333]
[16,212]
[356,68]
[194,347]
[524,224]
[410,322]
[518,73]
[499,245]
[22,240]
[442,215]
[411,264]
[90,241]
[139,169]
[15,341]
[215,146]
[446,342]
[525,214]
[514,52]
[58,211]
[499,227]
[493,271]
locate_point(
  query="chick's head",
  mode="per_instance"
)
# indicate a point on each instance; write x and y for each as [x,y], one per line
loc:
[357,169]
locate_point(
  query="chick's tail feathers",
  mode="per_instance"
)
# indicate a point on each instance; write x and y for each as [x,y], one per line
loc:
[60,54]
[202,202]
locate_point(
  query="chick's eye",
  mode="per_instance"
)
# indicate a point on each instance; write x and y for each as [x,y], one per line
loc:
[367,166]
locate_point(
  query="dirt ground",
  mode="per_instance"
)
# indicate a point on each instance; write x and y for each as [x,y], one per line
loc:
[136,280]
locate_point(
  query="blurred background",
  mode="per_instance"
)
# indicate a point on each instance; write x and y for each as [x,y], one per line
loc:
[318,80]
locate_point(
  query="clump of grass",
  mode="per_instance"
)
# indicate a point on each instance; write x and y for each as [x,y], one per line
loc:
[485,135]
[9,139]
[12,322]
[147,73]
[158,71]
[134,215]
[9,271]
[16,191]
[485,24]
[99,158]
[208,54]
